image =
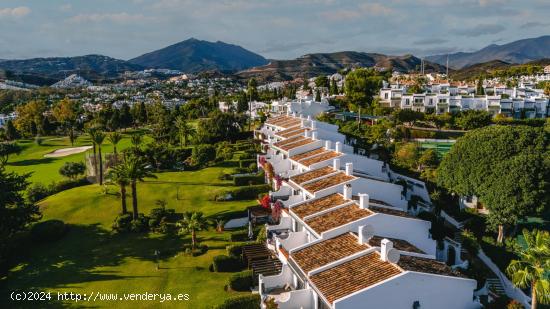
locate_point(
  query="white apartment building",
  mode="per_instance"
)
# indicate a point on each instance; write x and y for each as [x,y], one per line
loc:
[516,103]
[5,118]
[347,237]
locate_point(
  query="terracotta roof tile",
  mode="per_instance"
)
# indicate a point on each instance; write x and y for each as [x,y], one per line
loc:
[328,182]
[320,158]
[316,205]
[327,251]
[299,143]
[288,141]
[336,218]
[425,265]
[301,178]
[352,276]
[306,154]
[296,130]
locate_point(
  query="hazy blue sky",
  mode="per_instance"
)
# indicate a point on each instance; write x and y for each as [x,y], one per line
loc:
[274,28]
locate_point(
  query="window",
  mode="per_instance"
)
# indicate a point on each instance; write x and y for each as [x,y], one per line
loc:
[407,102]
[385,95]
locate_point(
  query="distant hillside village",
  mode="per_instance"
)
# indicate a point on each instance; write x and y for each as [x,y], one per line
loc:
[518,97]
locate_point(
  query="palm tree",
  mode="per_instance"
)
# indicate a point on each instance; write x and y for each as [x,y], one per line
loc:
[533,265]
[136,140]
[92,132]
[119,176]
[191,223]
[114,139]
[136,170]
[97,138]
[184,130]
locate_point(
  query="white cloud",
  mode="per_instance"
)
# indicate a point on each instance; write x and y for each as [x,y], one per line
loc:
[15,12]
[365,9]
[66,7]
[122,17]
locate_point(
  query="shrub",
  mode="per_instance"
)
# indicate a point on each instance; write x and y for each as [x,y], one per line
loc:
[141,224]
[63,185]
[247,193]
[241,235]
[72,169]
[234,250]
[225,263]
[122,223]
[470,242]
[514,305]
[241,281]
[47,231]
[36,191]
[202,154]
[262,235]
[249,180]
[199,249]
[251,301]
[245,163]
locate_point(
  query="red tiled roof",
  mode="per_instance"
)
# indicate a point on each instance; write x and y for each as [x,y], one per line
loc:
[328,182]
[327,251]
[352,276]
[317,205]
[338,217]
[316,173]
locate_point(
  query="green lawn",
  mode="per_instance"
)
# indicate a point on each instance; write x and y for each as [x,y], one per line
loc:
[46,170]
[92,259]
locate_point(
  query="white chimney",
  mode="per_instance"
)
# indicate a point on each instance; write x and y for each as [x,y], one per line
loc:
[385,246]
[347,192]
[349,169]
[336,164]
[303,123]
[308,117]
[362,239]
[314,125]
[288,112]
[363,201]
[338,147]
[314,135]
[306,133]
[328,144]
[301,116]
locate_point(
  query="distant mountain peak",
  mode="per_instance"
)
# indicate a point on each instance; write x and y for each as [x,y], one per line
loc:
[194,55]
[520,51]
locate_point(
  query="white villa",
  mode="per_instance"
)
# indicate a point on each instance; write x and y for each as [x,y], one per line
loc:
[449,97]
[348,236]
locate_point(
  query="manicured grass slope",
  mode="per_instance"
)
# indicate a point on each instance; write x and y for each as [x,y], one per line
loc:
[45,170]
[92,259]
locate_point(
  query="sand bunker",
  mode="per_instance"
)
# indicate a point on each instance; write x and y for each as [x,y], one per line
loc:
[66,152]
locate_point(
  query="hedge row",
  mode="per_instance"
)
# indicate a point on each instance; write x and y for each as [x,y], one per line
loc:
[47,231]
[251,301]
[241,235]
[241,281]
[225,263]
[248,192]
[245,163]
[38,191]
[249,180]
[234,250]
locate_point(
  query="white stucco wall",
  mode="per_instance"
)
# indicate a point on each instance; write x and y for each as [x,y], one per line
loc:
[432,291]
[383,191]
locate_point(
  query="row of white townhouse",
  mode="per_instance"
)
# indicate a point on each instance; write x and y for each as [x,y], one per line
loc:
[440,103]
[347,236]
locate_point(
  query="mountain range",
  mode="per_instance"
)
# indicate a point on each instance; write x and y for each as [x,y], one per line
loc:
[521,51]
[195,55]
[311,65]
